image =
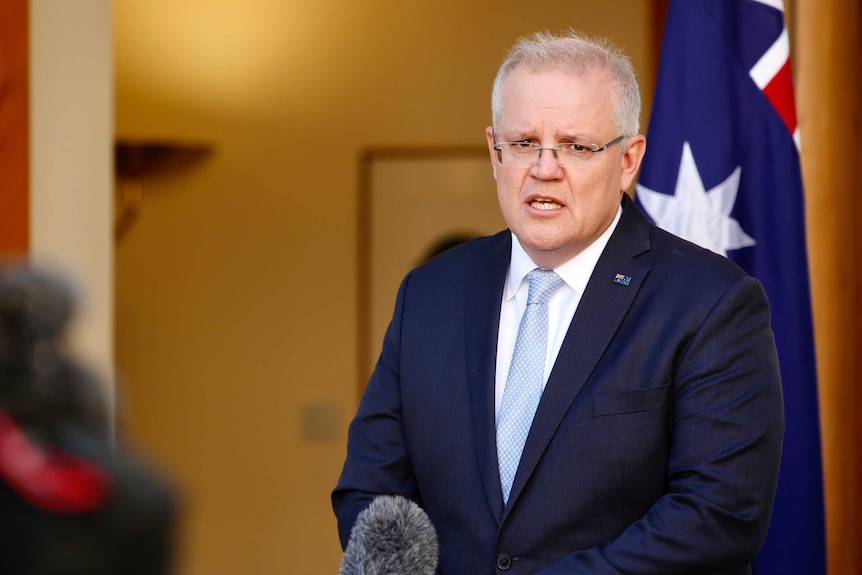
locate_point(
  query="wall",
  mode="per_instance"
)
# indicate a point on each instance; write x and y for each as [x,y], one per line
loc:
[236,287]
[71,127]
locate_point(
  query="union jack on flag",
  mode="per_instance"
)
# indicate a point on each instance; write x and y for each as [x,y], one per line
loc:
[722,170]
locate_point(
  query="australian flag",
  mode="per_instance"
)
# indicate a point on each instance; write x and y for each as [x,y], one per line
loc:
[722,170]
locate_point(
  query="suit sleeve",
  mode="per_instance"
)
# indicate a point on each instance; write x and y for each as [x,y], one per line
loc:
[724,454]
[377,460]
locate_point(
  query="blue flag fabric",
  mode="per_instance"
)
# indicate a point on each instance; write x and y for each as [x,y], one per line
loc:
[722,169]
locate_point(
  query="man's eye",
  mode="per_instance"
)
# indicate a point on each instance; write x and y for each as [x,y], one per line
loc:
[525,144]
[573,147]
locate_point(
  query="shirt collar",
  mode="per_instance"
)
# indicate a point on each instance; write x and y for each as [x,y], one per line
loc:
[575,272]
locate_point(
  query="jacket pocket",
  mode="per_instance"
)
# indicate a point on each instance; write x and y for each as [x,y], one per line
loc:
[632,401]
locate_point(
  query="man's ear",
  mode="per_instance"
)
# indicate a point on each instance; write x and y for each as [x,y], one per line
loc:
[489,135]
[632,157]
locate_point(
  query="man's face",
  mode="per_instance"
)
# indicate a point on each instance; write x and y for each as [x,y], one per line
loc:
[556,212]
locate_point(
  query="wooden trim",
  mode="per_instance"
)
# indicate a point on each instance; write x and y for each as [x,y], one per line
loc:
[829,56]
[14,128]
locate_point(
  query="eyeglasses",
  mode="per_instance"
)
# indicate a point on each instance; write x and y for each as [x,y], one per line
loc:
[526,154]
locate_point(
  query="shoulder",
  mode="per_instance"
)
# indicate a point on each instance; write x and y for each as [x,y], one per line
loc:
[677,274]
[673,256]
[696,282]
[476,266]
[465,257]
[668,255]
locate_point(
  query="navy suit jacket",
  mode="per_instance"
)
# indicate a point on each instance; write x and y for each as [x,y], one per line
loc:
[655,448]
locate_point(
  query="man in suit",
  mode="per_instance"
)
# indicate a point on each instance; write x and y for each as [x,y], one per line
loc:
[655,445]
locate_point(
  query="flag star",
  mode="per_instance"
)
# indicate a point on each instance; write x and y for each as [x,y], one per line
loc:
[698,215]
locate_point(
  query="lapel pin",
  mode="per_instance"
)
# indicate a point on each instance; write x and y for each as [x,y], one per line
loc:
[623,280]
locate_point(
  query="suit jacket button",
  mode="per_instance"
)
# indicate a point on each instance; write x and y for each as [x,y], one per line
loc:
[504,562]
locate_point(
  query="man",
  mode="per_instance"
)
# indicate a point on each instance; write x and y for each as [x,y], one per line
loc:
[655,445]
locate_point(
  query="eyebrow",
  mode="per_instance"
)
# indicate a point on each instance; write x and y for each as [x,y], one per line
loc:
[575,138]
[516,136]
[523,135]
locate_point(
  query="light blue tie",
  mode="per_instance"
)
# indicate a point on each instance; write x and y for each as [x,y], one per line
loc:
[526,374]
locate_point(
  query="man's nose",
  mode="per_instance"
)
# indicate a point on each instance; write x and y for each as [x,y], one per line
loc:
[547,166]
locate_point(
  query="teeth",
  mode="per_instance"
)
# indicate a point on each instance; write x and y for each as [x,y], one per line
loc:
[545,205]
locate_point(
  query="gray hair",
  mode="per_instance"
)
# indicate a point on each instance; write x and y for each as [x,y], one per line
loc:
[576,53]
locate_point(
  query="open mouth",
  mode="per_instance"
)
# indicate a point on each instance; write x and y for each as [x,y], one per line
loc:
[543,204]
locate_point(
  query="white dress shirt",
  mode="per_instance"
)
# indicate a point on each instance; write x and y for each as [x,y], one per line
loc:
[561,308]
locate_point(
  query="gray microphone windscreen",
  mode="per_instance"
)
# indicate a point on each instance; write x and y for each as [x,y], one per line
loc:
[392,536]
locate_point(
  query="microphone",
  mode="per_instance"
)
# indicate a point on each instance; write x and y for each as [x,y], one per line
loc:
[392,536]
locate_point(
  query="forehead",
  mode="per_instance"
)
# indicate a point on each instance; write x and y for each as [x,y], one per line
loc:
[562,100]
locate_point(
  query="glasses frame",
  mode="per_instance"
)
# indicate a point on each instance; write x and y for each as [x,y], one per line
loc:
[594,148]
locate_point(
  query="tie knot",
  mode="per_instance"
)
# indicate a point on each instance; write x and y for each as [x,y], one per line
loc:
[543,285]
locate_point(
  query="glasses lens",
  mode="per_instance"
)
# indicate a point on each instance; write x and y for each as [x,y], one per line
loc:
[526,154]
[518,154]
[573,154]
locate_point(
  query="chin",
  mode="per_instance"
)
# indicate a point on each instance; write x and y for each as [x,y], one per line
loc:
[543,242]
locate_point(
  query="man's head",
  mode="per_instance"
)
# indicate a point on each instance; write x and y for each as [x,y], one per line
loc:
[555,90]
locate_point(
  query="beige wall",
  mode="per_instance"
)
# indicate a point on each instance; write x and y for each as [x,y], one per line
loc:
[236,288]
[71,129]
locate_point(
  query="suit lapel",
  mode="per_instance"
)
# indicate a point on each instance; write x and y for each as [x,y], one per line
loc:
[483,294]
[602,308]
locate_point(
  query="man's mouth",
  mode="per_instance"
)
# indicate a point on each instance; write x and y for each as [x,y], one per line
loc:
[541,204]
